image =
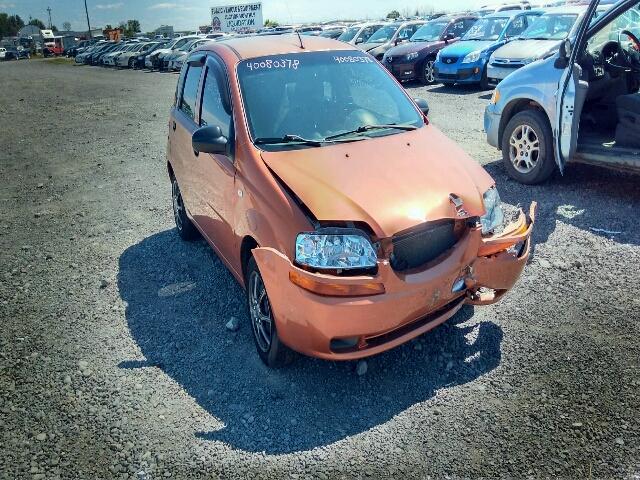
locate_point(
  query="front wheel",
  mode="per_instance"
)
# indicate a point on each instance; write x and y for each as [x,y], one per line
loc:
[131,62]
[527,148]
[271,350]
[428,73]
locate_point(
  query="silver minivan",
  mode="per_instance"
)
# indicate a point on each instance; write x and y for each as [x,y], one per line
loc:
[541,38]
[581,103]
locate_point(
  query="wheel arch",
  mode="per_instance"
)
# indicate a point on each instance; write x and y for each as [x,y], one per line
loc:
[246,246]
[513,108]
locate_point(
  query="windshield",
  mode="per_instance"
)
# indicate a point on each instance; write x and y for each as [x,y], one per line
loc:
[487,29]
[348,34]
[384,34]
[319,94]
[550,27]
[429,32]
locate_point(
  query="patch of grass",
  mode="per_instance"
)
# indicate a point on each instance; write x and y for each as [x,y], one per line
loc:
[59,60]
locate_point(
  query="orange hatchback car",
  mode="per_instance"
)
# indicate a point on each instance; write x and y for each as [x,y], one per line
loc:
[353,224]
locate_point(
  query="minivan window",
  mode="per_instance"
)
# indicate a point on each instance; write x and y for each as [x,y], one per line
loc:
[551,27]
[429,32]
[488,28]
[190,91]
[212,110]
[319,94]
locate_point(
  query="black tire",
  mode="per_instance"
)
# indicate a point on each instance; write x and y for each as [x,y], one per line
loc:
[484,80]
[132,63]
[527,147]
[427,74]
[271,350]
[184,225]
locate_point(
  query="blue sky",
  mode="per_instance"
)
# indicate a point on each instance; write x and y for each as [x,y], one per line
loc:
[188,14]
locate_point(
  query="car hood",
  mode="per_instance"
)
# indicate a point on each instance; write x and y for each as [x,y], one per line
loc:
[392,183]
[410,47]
[370,46]
[520,49]
[463,48]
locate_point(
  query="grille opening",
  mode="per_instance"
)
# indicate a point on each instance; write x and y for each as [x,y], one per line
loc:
[420,245]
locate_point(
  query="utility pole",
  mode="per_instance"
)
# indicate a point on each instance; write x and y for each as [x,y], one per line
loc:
[49,10]
[87,12]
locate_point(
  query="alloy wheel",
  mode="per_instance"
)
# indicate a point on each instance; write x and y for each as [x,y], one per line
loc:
[260,312]
[428,71]
[524,148]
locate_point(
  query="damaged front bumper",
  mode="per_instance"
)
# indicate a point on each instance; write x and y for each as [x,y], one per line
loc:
[344,318]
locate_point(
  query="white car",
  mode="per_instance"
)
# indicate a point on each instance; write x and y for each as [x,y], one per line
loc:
[127,58]
[155,59]
[3,53]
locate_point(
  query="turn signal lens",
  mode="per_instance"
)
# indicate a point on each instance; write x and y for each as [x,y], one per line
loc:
[495,98]
[336,289]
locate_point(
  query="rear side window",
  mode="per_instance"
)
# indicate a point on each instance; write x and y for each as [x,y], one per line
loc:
[190,91]
[213,112]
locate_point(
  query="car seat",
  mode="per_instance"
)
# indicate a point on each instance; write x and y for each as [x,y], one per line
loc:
[628,129]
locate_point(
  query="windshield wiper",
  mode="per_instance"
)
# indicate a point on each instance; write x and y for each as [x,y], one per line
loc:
[288,139]
[366,128]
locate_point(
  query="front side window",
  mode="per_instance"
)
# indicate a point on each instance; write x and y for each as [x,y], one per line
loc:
[320,94]
[190,91]
[349,34]
[212,111]
[518,25]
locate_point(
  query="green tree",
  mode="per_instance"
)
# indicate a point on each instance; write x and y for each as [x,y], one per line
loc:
[108,27]
[66,26]
[10,25]
[393,14]
[54,29]
[270,23]
[38,23]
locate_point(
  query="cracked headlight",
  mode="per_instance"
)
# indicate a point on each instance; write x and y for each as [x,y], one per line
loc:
[412,56]
[493,217]
[472,57]
[334,251]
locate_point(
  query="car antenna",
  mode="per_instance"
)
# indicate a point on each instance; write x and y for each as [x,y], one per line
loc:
[300,38]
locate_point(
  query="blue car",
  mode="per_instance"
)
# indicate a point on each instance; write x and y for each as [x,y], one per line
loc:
[466,60]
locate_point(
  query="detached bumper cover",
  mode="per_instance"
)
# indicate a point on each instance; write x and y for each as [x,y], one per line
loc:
[411,304]
[492,125]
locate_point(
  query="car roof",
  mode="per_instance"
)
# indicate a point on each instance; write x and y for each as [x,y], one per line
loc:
[565,9]
[515,13]
[252,47]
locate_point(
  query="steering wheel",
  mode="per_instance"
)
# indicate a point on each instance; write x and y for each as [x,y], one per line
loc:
[632,58]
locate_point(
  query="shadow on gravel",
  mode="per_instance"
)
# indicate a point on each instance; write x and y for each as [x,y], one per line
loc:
[180,296]
[590,198]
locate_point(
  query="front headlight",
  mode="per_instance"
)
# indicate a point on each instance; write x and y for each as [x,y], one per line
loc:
[412,56]
[472,57]
[334,251]
[494,217]
[529,60]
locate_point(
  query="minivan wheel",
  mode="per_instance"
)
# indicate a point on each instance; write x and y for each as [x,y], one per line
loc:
[271,350]
[428,73]
[527,148]
[185,227]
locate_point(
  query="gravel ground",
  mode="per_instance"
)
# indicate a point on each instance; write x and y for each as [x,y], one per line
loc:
[115,361]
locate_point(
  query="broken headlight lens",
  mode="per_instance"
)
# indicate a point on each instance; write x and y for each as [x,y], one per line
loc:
[333,251]
[493,217]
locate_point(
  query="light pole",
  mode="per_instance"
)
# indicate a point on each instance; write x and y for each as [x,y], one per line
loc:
[86,10]
[49,10]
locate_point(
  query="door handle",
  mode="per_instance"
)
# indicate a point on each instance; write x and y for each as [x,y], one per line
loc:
[174,126]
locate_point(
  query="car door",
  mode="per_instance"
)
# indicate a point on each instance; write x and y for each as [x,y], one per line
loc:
[182,124]
[572,93]
[214,174]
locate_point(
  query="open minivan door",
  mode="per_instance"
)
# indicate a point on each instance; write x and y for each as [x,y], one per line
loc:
[572,92]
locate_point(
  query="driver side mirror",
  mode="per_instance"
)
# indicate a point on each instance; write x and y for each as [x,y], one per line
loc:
[359,40]
[449,36]
[422,105]
[209,139]
[563,54]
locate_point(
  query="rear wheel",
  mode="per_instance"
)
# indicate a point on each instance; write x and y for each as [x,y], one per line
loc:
[131,62]
[527,148]
[185,227]
[263,326]
[427,75]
